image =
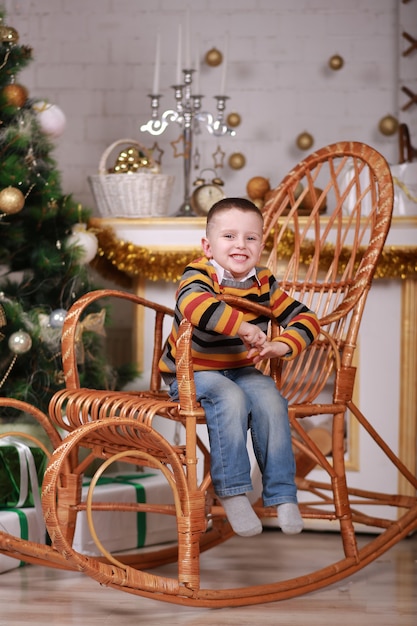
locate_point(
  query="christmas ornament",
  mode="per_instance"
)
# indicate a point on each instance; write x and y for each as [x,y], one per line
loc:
[233,120]
[51,119]
[257,187]
[20,342]
[8,35]
[130,160]
[336,62]
[57,318]
[213,57]
[304,141]
[84,239]
[388,125]
[15,95]
[12,200]
[218,157]
[237,160]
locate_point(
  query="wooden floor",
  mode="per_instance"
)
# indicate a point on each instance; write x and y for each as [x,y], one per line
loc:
[383,594]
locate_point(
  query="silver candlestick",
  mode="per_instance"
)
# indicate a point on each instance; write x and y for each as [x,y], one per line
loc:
[190,118]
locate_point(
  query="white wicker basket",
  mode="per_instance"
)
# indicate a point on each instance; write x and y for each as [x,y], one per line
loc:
[139,194]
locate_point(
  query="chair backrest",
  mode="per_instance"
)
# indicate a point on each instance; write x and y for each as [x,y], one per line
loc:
[407,152]
[325,228]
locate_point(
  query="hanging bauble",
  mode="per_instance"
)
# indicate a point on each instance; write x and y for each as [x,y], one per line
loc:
[12,200]
[57,318]
[336,62]
[233,120]
[20,342]
[304,141]
[213,57]
[51,119]
[15,95]
[8,35]
[388,125]
[237,160]
[84,239]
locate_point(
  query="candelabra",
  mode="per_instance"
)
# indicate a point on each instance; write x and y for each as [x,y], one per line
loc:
[190,118]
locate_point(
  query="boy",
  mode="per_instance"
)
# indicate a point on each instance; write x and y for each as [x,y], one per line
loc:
[226,346]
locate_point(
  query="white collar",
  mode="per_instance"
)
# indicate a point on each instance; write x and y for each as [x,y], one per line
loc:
[225,274]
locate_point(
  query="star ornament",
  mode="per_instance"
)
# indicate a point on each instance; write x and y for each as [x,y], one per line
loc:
[186,147]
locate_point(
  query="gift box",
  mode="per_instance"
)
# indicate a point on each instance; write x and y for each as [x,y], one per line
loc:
[23,523]
[21,472]
[121,530]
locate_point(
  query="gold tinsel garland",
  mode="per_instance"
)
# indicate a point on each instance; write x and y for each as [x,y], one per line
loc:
[122,261]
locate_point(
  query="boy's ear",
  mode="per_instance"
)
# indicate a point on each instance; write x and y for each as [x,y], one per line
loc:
[206,247]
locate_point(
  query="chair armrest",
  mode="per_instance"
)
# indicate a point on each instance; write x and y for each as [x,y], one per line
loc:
[74,316]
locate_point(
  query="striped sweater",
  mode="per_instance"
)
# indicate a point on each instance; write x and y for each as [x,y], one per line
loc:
[215,343]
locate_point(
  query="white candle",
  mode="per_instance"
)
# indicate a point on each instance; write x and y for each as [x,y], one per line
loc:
[224,72]
[197,70]
[155,88]
[179,79]
[187,53]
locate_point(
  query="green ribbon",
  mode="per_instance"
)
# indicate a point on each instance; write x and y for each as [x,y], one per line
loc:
[128,479]
[23,523]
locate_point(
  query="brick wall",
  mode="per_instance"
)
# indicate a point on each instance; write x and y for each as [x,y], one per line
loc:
[94,59]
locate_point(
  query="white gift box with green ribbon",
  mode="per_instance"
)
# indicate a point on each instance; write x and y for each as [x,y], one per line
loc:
[23,523]
[120,530]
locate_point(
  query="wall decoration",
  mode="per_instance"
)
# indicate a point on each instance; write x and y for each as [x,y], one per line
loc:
[388,125]
[237,160]
[233,120]
[218,157]
[213,57]
[336,62]
[305,141]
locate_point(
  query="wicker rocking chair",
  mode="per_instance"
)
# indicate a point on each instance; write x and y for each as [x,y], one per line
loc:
[325,227]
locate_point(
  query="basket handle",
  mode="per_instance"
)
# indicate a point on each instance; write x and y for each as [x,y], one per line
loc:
[131,142]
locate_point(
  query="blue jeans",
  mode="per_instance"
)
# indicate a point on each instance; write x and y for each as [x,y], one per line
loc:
[234,401]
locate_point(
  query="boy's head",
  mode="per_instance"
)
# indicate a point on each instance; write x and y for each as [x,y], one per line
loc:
[232,203]
[234,235]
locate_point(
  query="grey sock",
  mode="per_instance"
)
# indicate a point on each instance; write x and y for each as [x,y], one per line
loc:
[241,515]
[289,518]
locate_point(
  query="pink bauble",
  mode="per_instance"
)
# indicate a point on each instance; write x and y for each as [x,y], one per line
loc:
[51,119]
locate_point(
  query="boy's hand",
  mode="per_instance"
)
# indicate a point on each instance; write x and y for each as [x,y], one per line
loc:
[251,335]
[269,350]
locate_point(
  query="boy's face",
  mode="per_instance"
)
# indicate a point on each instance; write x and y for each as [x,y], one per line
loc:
[234,241]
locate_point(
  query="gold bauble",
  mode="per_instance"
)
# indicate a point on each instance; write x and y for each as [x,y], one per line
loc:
[12,200]
[336,62]
[130,160]
[9,35]
[304,141]
[15,94]
[213,57]
[388,125]
[237,160]
[233,120]
[257,187]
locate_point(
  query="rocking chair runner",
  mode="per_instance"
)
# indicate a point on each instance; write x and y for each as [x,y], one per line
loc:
[327,260]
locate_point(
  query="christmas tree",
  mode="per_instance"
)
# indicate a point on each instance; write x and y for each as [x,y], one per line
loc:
[45,246]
